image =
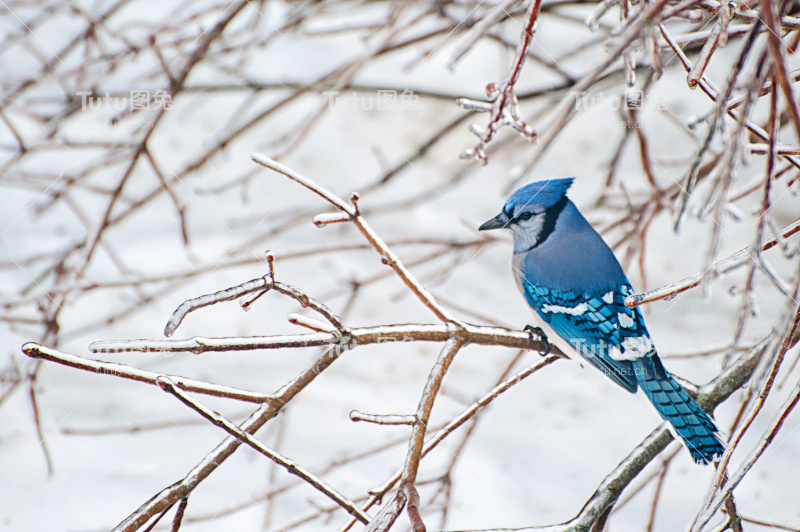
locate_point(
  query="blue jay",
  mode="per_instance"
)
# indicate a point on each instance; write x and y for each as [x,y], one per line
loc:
[573,281]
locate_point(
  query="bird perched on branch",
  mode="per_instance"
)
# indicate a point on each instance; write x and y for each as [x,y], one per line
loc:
[572,280]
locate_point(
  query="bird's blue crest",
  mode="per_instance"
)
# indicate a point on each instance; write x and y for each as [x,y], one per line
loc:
[544,194]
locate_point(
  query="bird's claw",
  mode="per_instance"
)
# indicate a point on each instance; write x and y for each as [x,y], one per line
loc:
[531,330]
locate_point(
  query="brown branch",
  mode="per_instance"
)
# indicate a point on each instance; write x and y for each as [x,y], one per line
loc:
[503,105]
[291,467]
[415,443]
[720,268]
[472,334]
[785,338]
[38,352]
[387,255]
[776,50]
[226,448]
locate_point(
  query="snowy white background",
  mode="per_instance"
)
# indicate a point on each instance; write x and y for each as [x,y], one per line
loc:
[537,453]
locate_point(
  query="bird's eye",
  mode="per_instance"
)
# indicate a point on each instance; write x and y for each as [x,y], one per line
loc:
[525,216]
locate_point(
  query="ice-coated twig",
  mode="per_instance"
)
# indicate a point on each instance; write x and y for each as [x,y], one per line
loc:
[36,351]
[190,305]
[322,192]
[260,286]
[291,467]
[309,302]
[502,103]
[722,267]
[774,276]
[321,220]
[377,494]
[713,93]
[388,515]
[630,69]
[387,255]
[227,447]
[708,49]
[745,13]
[472,334]
[594,17]
[776,48]
[311,323]
[786,249]
[200,344]
[382,419]
[466,415]
[415,443]
[652,14]
[725,169]
[736,479]
[763,149]
[749,306]
[724,172]
[784,338]
[697,37]
[725,13]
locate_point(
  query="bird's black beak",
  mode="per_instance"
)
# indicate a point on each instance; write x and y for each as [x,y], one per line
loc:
[498,222]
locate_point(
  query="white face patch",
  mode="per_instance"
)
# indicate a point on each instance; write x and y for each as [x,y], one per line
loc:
[577,310]
[625,321]
[609,297]
[526,233]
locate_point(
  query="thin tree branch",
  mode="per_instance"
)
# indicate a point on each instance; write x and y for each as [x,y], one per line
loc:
[114,369]
[291,467]
[720,268]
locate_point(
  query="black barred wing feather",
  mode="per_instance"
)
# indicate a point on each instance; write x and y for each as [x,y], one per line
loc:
[605,332]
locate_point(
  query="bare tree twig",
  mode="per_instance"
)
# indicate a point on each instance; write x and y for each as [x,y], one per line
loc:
[114,369]
[503,105]
[291,467]
[784,340]
[226,448]
[472,334]
[355,415]
[387,255]
[722,267]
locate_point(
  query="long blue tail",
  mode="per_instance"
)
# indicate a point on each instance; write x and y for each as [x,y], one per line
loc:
[696,429]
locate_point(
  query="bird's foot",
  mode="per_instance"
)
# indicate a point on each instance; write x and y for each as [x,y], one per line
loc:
[531,330]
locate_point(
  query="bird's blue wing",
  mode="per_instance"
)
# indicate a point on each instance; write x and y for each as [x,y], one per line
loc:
[605,332]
